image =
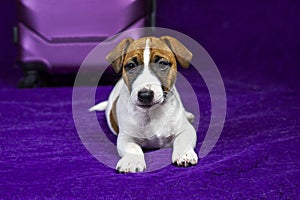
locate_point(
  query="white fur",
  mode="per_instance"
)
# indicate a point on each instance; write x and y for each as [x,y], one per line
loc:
[164,124]
[152,128]
[146,53]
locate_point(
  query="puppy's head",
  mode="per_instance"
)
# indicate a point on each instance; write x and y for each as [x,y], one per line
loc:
[149,67]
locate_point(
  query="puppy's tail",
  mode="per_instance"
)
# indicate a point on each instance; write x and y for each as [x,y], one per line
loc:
[99,107]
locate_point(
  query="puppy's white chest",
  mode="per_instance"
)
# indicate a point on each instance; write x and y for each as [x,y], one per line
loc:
[157,137]
[157,130]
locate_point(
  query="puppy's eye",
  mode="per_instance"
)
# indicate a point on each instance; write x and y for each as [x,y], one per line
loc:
[163,65]
[130,66]
[162,62]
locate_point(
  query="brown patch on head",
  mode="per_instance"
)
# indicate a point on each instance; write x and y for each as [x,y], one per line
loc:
[171,78]
[117,55]
[183,55]
[167,77]
[125,77]
[167,48]
[179,54]
[129,74]
[134,55]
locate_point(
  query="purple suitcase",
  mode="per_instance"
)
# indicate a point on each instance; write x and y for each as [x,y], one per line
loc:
[55,36]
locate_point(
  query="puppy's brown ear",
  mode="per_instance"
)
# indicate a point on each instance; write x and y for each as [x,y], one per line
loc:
[182,54]
[117,55]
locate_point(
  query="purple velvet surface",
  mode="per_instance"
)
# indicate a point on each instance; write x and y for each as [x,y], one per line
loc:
[256,157]
[255,46]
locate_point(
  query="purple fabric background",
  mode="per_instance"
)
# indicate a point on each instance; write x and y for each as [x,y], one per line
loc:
[256,47]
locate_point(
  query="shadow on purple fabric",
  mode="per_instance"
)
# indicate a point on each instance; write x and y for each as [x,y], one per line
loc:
[257,156]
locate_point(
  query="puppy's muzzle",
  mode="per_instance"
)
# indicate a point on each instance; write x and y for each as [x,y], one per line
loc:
[145,96]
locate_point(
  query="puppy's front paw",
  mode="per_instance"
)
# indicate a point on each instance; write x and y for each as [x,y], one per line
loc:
[131,163]
[185,159]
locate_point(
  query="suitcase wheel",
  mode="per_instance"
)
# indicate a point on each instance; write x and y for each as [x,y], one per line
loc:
[32,79]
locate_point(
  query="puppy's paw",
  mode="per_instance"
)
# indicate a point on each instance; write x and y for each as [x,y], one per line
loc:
[131,163]
[189,116]
[185,159]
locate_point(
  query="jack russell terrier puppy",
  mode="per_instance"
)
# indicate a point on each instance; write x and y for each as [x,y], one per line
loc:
[144,108]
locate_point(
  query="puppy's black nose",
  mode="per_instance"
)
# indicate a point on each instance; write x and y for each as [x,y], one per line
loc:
[145,95]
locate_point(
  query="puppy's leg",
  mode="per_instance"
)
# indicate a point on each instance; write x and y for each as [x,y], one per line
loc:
[183,147]
[132,156]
